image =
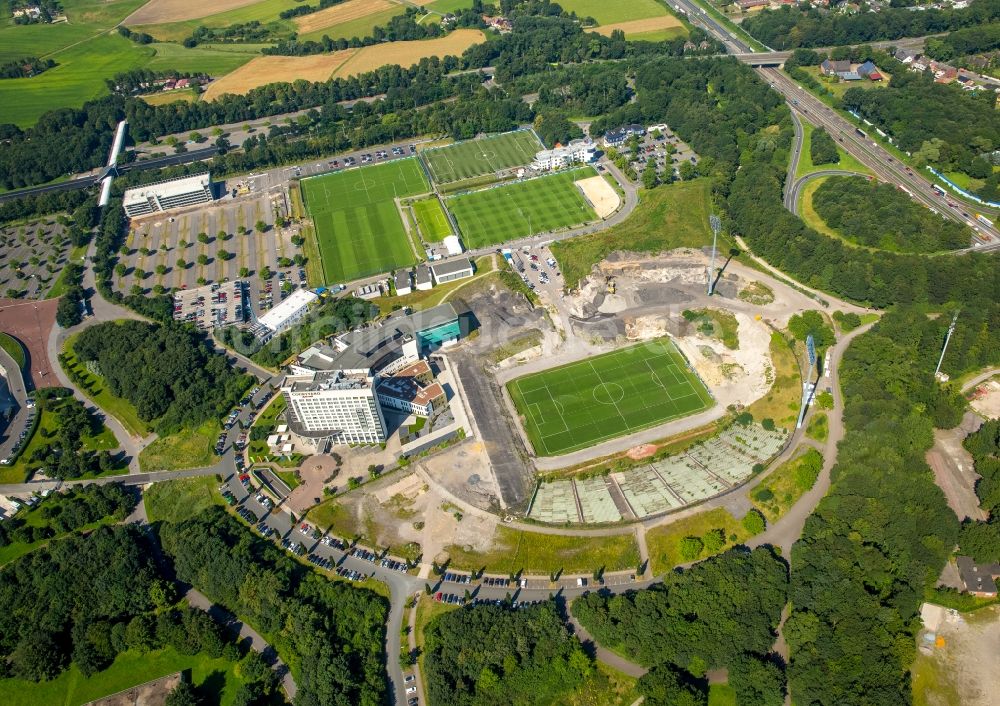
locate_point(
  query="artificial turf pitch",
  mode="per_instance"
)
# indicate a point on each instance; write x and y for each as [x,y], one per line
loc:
[431,219]
[358,227]
[592,400]
[465,160]
[522,208]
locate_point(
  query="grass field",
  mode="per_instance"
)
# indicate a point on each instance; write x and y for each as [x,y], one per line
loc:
[674,216]
[522,208]
[583,403]
[176,500]
[781,403]
[535,553]
[650,29]
[360,26]
[188,448]
[472,158]
[13,347]
[431,219]
[358,226]
[785,485]
[607,12]
[664,541]
[214,677]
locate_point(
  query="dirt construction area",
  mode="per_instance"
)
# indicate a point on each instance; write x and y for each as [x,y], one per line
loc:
[160,11]
[601,195]
[957,665]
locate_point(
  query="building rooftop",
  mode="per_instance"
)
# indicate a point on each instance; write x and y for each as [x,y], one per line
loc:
[422,275]
[326,380]
[978,578]
[277,316]
[402,279]
[442,268]
[166,188]
[410,390]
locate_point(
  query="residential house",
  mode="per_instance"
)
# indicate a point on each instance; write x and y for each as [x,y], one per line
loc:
[979,579]
[834,68]
[905,56]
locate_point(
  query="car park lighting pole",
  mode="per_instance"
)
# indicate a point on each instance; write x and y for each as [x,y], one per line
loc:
[716,224]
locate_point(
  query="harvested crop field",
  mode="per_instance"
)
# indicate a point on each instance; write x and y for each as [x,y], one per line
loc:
[337,14]
[273,69]
[601,195]
[650,24]
[407,54]
[160,11]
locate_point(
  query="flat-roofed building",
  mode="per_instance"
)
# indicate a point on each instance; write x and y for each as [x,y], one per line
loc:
[334,405]
[575,152]
[412,390]
[166,195]
[286,314]
[445,271]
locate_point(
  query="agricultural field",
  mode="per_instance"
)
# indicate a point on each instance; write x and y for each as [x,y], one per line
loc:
[431,220]
[592,400]
[174,27]
[652,29]
[488,155]
[348,19]
[609,12]
[358,226]
[523,208]
[340,64]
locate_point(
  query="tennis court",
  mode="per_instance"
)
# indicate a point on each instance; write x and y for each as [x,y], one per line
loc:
[472,158]
[358,227]
[599,398]
[522,208]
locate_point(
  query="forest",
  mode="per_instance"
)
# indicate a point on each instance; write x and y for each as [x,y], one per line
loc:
[822,148]
[330,634]
[879,215]
[494,655]
[981,540]
[791,27]
[167,371]
[721,612]
[963,42]
[77,506]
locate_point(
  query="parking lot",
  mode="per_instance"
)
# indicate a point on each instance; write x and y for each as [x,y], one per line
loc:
[215,244]
[658,144]
[539,270]
[31,257]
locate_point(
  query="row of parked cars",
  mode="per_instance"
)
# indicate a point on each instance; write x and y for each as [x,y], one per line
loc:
[23,438]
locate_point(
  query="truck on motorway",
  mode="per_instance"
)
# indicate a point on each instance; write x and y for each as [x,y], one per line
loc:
[860,132]
[937,189]
[983,219]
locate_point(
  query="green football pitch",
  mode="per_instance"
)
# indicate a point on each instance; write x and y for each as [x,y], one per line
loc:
[473,158]
[584,403]
[431,219]
[358,228]
[522,208]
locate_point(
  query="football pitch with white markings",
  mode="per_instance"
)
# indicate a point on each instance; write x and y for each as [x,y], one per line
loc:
[486,155]
[603,397]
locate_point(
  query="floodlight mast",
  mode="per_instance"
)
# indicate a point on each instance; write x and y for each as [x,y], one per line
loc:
[947,339]
[716,224]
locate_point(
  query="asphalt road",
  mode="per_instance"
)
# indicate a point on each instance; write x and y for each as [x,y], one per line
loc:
[19,422]
[793,189]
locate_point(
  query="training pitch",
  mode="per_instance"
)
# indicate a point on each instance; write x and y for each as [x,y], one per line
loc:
[358,227]
[522,208]
[584,403]
[465,160]
[431,219]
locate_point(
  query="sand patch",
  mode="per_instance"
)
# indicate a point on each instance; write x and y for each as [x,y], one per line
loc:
[600,194]
[407,54]
[650,24]
[263,70]
[160,11]
[338,14]
[642,451]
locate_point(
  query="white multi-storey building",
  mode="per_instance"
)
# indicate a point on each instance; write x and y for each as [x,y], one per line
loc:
[289,312]
[575,152]
[334,405]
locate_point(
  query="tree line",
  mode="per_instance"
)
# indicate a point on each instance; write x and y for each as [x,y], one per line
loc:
[981,540]
[879,215]
[330,634]
[963,42]
[25,67]
[722,612]
[788,27]
[491,654]
[67,511]
[172,376]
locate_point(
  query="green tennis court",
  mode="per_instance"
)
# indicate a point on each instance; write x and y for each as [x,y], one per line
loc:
[606,396]
[358,227]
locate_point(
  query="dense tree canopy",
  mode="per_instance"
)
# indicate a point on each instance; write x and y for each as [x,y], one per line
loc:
[331,634]
[981,540]
[491,655]
[881,216]
[172,376]
[822,148]
[791,27]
